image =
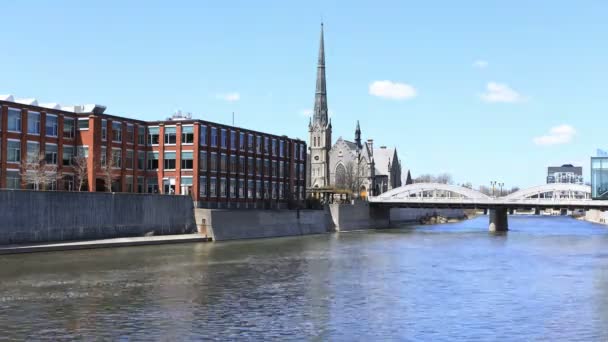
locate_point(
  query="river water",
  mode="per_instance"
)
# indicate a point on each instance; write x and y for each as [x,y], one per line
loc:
[546,279]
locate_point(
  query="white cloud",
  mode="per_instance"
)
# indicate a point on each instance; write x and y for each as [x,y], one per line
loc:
[392,90]
[500,92]
[230,97]
[561,134]
[480,64]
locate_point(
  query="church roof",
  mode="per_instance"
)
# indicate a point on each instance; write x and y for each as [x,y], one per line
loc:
[382,157]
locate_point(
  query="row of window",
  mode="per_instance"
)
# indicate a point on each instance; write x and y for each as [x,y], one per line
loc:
[50,156]
[34,124]
[117,132]
[237,188]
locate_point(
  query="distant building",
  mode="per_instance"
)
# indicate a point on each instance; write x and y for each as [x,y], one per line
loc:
[599,176]
[566,173]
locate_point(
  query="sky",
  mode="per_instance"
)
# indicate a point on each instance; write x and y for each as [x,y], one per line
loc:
[483,90]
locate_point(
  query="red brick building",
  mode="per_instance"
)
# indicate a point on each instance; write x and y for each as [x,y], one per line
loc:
[218,165]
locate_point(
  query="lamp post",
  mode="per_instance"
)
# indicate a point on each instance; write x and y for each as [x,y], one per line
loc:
[493,184]
[501,185]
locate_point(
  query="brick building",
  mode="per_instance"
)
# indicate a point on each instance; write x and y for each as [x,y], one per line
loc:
[218,165]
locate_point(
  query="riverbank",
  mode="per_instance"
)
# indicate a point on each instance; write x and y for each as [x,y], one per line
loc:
[104,243]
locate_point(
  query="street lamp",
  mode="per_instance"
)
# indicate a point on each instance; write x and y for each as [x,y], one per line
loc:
[493,184]
[501,185]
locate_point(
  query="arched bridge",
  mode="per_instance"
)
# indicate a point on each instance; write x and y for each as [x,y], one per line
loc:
[435,195]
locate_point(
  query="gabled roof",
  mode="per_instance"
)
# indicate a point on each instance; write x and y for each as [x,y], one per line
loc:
[382,157]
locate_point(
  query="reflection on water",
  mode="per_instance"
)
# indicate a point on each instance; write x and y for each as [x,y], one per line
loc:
[545,279]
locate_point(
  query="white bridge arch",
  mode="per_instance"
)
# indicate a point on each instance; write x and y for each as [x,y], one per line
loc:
[554,191]
[430,190]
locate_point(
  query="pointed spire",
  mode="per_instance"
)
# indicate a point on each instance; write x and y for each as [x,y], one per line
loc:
[320,111]
[358,135]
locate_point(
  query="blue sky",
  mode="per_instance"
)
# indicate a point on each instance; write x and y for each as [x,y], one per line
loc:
[484,90]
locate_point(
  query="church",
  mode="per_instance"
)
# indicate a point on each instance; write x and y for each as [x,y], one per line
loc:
[353,165]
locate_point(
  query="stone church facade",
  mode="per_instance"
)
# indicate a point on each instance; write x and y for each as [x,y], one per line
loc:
[356,166]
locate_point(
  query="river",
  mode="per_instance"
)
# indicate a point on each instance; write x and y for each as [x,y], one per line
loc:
[546,279]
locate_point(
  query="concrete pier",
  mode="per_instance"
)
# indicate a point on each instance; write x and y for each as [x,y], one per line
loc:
[498,220]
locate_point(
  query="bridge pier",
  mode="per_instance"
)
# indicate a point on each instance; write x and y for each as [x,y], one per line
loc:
[537,211]
[498,220]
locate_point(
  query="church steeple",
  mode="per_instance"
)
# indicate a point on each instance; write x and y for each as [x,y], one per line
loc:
[320,111]
[358,135]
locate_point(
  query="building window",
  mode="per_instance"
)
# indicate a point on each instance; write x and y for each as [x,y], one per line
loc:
[103,157]
[68,155]
[281,169]
[233,164]
[258,167]
[213,137]
[224,163]
[13,180]
[241,165]
[224,138]
[232,188]
[52,126]
[141,136]
[266,192]
[68,128]
[223,188]
[250,189]
[302,152]
[202,183]
[242,141]
[275,169]
[281,149]
[129,183]
[33,123]
[258,189]
[83,124]
[50,154]
[187,160]
[258,144]
[82,151]
[203,135]
[153,133]
[14,120]
[170,135]
[153,161]
[117,158]
[213,162]
[140,185]
[129,160]
[301,171]
[130,135]
[281,188]
[116,132]
[266,145]
[104,129]
[187,134]
[250,166]
[232,140]
[250,142]
[32,152]
[241,191]
[266,167]
[186,184]
[152,185]
[13,154]
[213,187]
[141,160]
[274,147]
[169,160]
[203,160]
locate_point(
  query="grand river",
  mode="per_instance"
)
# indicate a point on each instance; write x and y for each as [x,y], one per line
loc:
[546,279]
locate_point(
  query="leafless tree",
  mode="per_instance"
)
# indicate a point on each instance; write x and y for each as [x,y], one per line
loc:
[108,173]
[80,170]
[444,178]
[354,176]
[36,171]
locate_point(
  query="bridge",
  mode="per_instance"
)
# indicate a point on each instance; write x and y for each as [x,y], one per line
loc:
[558,196]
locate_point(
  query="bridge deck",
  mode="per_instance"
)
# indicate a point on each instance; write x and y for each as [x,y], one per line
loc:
[490,203]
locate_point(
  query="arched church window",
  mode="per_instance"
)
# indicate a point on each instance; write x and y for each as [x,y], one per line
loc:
[341,177]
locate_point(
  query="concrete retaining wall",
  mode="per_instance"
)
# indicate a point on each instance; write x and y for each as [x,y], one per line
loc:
[229,224]
[358,216]
[37,216]
[597,216]
[415,214]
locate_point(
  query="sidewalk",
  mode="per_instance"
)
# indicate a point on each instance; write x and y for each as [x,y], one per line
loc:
[105,243]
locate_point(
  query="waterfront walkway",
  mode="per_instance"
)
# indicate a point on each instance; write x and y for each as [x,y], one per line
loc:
[105,243]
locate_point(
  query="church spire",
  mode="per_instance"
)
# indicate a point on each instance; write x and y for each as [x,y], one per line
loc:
[358,135]
[320,111]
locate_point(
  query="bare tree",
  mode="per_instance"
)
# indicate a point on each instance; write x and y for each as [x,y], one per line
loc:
[108,173]
[80,170]
[444,178]
[36,171]
[355,174]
